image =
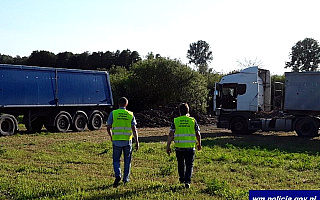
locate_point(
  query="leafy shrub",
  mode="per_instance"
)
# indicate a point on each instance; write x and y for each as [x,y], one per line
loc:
[159,82]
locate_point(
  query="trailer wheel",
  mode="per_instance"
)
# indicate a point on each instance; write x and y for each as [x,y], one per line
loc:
[239,125]
[95,122]
[307,127]
[80,122]
[7,125]
[62,122]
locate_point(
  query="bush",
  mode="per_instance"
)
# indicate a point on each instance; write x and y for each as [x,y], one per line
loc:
[119,78]
[158,82]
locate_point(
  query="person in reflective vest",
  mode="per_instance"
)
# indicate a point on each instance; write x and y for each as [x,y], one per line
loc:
[121,127]
[185,132]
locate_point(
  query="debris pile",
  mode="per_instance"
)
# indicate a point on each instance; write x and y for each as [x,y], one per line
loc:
[163,117]
[153,118]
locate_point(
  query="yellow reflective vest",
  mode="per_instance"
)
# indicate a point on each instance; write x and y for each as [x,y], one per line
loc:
[121,126]
[185,134]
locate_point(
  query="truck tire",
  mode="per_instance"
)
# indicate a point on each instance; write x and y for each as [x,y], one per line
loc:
[80,122]
[307,127]
[62,122]
[95,121]
[8,125]
[239,125]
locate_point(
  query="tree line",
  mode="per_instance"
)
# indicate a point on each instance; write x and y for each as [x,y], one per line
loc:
[85,60]
[304,56]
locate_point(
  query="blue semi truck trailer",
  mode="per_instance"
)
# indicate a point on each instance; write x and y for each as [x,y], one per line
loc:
[58,99]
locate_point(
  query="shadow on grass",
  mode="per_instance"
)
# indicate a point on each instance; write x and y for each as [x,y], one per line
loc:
[287,143]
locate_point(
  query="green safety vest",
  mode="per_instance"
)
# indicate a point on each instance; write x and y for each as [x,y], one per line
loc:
[185,134]
[121,126]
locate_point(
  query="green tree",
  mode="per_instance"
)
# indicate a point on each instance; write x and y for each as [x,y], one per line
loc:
[82,60]
[95,60]
[305,56]
[18,60]
[119,78]
[134,57]
[108,60]
[63,59]
[158,82]
[124,59]
[150,56]
[200,54]
[5,59]
[42,58]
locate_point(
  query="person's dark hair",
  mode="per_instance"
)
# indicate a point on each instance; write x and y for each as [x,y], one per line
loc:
[184,109]
[123,102]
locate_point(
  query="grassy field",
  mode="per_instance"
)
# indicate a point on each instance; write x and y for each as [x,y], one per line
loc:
[79,166]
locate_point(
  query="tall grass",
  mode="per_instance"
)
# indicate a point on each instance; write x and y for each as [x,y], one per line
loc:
[79,166]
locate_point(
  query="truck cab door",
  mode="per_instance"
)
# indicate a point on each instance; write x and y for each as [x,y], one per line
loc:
[228,96]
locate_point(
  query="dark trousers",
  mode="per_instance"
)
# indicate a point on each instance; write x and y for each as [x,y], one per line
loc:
[185,160]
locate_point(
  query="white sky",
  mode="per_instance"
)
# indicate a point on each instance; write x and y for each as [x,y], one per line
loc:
[235,29]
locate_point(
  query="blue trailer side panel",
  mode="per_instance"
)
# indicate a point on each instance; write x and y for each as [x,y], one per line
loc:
[21,86]
[39,86]
[86,87]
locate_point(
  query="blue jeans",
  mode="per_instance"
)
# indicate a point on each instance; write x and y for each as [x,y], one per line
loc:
[117,151]
[185,160]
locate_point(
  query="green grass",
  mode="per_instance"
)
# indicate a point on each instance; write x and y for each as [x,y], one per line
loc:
[79,166]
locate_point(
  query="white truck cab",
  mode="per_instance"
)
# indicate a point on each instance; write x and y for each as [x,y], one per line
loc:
[242,102]
[248,90]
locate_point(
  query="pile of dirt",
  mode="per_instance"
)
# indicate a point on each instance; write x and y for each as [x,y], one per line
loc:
[163,117]
[202,119]
[153,118]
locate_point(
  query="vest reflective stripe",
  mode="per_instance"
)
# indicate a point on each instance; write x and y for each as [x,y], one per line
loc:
[121,126]
[185,134]
[181,135]
[186,141]
[121,133]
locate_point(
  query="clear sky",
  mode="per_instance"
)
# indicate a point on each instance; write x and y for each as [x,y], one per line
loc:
[263,30]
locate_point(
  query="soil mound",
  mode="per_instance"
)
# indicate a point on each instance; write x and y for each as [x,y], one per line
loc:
[163,117]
